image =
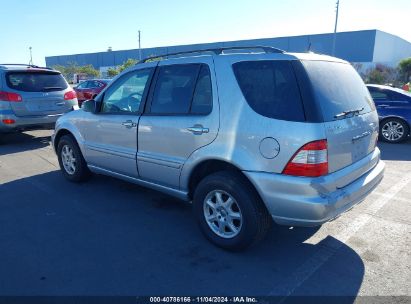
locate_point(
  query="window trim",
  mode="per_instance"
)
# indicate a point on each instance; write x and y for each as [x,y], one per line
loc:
[150,97]
[143,98]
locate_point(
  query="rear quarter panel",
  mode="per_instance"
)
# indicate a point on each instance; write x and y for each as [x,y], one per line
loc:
[242,129]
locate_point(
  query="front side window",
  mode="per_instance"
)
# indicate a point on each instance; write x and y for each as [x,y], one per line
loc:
[36,81]
[270,88]
[182,89]
[127,93]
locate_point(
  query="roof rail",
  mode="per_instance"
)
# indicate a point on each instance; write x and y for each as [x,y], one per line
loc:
[217,51]
[27,65]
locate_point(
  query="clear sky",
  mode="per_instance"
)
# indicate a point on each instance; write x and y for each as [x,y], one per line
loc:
[58,27]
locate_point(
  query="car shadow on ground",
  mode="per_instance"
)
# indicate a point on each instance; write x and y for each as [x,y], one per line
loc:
[19,142]
[109,237]
[401,151]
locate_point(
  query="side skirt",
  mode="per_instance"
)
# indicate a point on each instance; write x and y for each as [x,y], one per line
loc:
[167,190]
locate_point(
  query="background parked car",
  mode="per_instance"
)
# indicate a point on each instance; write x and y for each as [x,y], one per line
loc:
[32,97]
[90,88]
[394,111]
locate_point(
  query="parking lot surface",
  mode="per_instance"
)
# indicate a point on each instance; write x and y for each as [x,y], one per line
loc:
[109,237]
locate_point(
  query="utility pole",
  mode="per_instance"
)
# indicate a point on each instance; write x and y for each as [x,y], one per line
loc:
[31,56]
[335,28]
[139,43]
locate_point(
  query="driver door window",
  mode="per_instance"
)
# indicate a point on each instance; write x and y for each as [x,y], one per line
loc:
[126,94]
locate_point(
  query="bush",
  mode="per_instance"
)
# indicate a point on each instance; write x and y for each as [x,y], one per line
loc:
[381,74]
[405,69]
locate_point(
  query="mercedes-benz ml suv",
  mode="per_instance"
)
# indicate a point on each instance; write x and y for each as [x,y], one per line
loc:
[250,136]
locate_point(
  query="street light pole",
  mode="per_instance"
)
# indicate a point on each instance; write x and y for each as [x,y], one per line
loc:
[139,44]
[31,56]
[335,28]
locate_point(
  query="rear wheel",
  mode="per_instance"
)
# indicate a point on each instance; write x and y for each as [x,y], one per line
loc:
[393,130]
[71,161]
[229,211]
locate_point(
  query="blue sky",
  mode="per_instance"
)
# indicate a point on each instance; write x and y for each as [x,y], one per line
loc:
[84,26]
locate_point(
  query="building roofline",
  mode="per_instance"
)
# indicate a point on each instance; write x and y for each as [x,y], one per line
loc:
[219,42]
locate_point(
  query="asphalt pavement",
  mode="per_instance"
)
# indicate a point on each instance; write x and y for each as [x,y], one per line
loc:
[109,237]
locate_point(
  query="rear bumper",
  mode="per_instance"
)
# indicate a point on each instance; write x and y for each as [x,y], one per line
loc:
[302,201]
[26,123]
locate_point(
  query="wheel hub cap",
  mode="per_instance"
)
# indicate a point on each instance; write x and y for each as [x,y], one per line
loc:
[68,159]
[222,214]
[392,130]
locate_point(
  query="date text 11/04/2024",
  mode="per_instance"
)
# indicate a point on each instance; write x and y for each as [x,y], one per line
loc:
[203,300]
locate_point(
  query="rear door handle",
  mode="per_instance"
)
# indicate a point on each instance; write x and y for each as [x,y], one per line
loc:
[198,130]
[129,124]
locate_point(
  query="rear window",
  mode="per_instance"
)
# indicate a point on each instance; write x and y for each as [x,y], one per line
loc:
[338,88]
[270,88]
[36,81]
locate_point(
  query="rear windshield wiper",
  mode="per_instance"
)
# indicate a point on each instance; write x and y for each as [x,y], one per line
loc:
[346,113]
[52,88]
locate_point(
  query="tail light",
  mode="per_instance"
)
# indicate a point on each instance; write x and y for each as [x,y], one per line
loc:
[9,96]
[70,95]
[311,160]
[8,121]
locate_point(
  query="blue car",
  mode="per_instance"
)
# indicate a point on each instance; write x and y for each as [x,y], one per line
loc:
[394,111]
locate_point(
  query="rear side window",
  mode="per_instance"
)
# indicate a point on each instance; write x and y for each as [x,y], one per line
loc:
[338,88]
[378,95]
[36,81]
[270,88]
[182,89]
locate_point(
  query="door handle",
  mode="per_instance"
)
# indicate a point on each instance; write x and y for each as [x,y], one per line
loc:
[382,106]
[129,124]
[198,130]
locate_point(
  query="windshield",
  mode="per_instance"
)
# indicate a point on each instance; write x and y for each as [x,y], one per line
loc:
[338,89]
[36,81]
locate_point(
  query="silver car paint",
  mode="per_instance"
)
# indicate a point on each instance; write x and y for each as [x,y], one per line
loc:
[37,109]
[166,142]
[166,166]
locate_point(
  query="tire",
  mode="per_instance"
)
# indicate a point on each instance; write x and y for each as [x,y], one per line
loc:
[79,171]
[394,130]
[254,221]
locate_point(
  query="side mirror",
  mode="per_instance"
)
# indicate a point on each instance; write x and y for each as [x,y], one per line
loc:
[91,105]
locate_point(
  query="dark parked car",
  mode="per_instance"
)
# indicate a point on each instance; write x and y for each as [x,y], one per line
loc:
[394,111]
[90,88]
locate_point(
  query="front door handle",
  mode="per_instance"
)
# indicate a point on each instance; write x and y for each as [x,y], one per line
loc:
[198,129]
[129,124]
[382,106]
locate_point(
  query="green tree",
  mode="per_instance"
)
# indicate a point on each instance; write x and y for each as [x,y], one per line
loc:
[126,64]
[112,72]
[89,70]
[405,68]
[381,74]
[72,68]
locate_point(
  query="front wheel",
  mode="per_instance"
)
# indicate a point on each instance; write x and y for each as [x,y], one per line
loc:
[393,130]
[229,211]
[71,161]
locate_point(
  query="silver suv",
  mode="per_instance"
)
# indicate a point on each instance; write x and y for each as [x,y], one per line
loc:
[32,97]
[248,135]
